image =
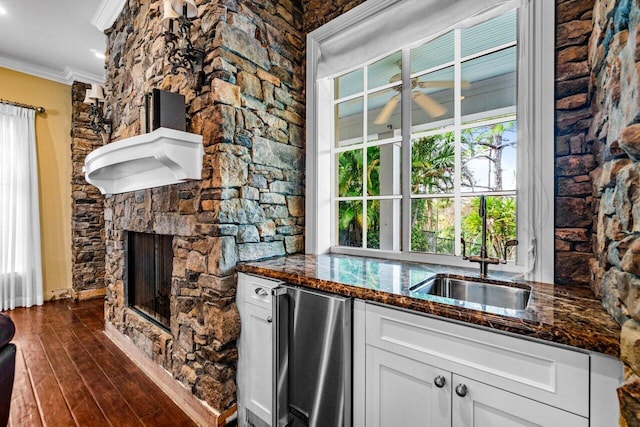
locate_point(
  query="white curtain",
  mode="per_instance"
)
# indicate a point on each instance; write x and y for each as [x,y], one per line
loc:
[20,257]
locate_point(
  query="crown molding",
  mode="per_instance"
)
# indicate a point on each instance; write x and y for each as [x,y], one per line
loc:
[71,75]
[107,13]
[34,70]
[67,76]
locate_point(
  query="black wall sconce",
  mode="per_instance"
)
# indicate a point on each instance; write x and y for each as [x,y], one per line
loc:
[182,53]
[94,97]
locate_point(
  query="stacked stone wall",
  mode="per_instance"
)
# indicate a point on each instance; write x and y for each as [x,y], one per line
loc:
[574,152]
[614,61]
[319,12]
[87,205]
[249,204]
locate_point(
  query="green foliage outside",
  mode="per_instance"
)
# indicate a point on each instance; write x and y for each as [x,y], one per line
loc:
[432,171]
[501,215]
[350,184]
[350,213]
[432,219]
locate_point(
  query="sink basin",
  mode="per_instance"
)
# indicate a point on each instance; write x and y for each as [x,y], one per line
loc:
[512,296]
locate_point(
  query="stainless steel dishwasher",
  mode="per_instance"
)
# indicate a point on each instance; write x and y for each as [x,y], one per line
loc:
[312,358]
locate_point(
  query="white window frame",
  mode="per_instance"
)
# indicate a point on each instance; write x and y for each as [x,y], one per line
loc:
[536,54]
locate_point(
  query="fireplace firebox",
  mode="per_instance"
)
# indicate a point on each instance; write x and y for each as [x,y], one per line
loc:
[149,263]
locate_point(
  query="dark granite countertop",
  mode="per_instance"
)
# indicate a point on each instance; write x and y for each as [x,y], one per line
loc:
[567,315]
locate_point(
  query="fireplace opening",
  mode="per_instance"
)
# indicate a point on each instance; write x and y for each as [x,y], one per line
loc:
[149,259]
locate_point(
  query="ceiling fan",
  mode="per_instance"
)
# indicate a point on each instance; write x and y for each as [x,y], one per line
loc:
[432,107]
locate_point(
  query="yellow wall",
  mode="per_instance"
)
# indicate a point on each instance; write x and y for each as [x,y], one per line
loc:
[54,167]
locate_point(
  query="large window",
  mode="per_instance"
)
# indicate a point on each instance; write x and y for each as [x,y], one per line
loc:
[463,143]
[403,146]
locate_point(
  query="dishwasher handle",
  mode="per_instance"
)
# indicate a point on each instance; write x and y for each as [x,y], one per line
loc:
[281,308]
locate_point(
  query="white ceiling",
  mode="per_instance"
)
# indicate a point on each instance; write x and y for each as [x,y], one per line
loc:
[53,39]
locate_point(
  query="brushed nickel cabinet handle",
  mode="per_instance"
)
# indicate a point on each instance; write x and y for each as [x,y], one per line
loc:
[261,292]
[461,390]
[439,381]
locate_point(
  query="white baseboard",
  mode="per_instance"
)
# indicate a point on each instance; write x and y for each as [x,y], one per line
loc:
[199,411]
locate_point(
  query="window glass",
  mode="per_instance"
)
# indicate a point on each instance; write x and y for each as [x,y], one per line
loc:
[350,223]
[373,224]
[349,84]
[381,232]
[433,164]
[348,121]
[383,169]
[489,34]
[433,97]
[433,225]
[350,173]
[433,53]
[489,157]
[385,71]
[383,113]
[491,82]
[501,225]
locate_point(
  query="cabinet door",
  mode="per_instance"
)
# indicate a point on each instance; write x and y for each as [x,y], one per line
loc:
[257,354]
[402,391]
[480,405]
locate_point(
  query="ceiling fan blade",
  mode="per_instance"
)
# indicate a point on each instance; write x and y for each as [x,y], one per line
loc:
[447,84]
[387,111]
[433,108]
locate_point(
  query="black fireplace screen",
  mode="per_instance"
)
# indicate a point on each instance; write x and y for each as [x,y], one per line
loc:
[149,266]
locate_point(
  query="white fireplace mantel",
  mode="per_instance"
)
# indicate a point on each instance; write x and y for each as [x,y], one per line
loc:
[162,157]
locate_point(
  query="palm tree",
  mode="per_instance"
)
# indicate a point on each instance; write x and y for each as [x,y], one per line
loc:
[350,165]
[350,184]
[350,173]
[432,171]
[432,164]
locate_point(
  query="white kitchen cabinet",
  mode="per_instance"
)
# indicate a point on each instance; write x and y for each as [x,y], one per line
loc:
[403,391]
[481,405]
[255,362]
[400,358]
[258,379]
[509,381]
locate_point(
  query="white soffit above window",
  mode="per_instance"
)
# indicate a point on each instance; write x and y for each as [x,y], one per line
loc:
[352,43]
[162,157]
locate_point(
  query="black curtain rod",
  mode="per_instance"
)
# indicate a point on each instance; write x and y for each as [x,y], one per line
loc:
[19,104]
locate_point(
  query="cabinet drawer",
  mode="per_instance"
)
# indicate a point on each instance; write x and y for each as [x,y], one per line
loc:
[257,290]
[548,374]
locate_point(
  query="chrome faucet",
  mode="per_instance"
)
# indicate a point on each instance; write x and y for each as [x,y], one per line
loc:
[483,259]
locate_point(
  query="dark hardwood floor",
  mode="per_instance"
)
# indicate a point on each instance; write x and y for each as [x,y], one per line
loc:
[68,373]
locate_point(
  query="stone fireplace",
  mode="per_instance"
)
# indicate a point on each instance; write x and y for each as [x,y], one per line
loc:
[249,204]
